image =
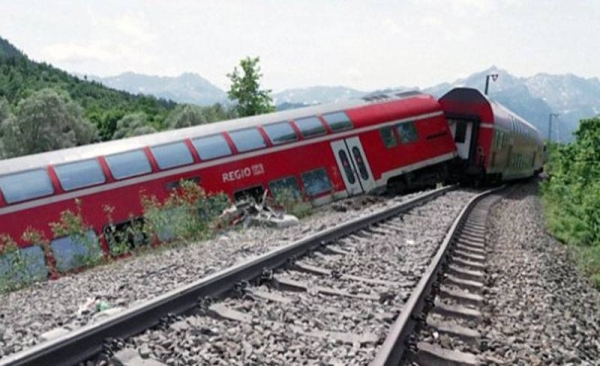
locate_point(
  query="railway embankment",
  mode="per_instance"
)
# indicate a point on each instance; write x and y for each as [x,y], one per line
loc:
[541,309]
[27,315]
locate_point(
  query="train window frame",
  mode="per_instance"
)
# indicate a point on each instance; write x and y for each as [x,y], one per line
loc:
[306,131]
[307,189]
[239,140]
[69,244]
[346,122]
[221,142]
[275,139]
[412,136]
[86,174]
[296,191]
[7,194]
[140,153]
[392,141]
[171,164]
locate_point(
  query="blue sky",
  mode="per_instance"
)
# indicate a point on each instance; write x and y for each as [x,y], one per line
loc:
[361,44]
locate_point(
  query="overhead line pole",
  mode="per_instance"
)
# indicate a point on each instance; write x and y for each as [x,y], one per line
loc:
[487,81]
[550,125]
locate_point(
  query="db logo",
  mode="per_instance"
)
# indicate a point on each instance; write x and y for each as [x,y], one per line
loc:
[256,169]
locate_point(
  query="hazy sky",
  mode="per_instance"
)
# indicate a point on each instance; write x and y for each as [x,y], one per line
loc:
[362,44]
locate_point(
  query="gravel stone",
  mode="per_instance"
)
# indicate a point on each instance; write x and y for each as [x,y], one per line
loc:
[297,328]
[129,281]
[541,311]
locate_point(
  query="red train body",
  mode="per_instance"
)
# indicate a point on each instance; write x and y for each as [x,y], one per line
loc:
[328,152]
[493,143]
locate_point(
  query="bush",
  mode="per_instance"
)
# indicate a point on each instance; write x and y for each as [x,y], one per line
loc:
[291,201]
[17,269]
[187,214]
[571,195]
[72,225]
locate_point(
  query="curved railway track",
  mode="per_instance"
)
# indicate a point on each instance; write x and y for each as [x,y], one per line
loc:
[346,293]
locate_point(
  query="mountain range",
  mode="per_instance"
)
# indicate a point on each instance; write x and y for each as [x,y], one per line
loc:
[533,98]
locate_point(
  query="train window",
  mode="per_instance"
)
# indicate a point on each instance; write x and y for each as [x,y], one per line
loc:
[316,182]
[26,185]
[280,133]
[172,155]
[247,140]
[29,262]
[211,147]
[461,132]
[346,165]
[362,168]
[338,121]
[80,174]
[128,164]
[387,135]
[311,126]
[407,132]
[71,252]
[289,183]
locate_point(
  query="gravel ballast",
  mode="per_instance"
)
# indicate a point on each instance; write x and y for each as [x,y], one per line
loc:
[541,311]
[27,314]
[322,319]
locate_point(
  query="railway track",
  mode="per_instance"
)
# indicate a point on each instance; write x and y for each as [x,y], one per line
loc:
[332,298]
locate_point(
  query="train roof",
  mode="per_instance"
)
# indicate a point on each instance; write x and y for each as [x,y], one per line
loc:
[90,151]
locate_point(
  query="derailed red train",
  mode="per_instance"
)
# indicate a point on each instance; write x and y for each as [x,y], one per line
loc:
[327,152]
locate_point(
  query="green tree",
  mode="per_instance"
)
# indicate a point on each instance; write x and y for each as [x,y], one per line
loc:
[133,124]
[185,115]
[245,89]
[46,120]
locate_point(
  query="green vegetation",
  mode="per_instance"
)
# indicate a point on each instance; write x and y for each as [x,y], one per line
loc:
[292,202]
[572,195]
[188,214]
[43,108]
[45,120]
[245,89]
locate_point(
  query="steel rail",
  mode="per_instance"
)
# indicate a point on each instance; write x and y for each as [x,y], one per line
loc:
[85,343]
[394,348]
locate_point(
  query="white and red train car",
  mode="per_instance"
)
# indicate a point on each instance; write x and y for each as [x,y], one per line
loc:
[327,152]
[493,143]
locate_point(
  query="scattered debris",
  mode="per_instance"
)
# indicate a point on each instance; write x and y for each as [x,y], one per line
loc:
[250,213]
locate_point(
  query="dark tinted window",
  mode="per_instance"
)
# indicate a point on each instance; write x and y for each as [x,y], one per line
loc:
[362,168]
[172,155]
[316,182]
[128,164]
[338,121]
[407,132]
[280,133]
[25,186]
[80,174]
[289,183]
[70,252]
[23,265]
[387,135]
[461,132]
[247,140]
[212,147]
[346,165]
[310,126]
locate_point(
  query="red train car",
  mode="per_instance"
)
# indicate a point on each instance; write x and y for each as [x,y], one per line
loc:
[493,143]
[328,152]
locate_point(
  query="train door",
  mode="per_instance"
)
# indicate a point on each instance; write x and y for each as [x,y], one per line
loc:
[463,133]
[352,162]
